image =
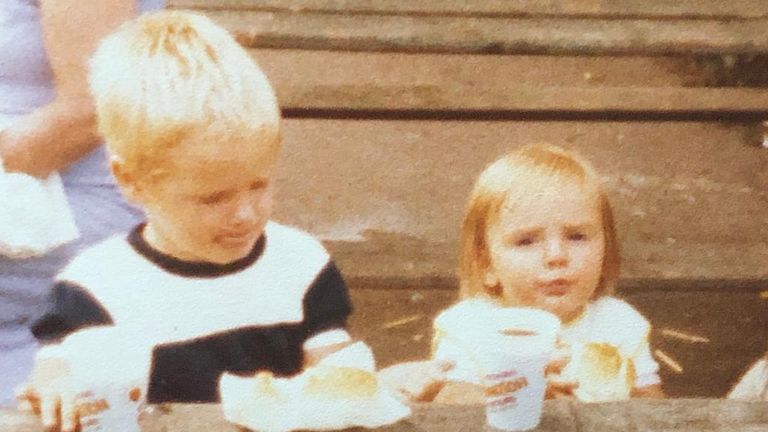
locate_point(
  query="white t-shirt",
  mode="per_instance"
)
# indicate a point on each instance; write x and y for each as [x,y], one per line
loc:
[609,332]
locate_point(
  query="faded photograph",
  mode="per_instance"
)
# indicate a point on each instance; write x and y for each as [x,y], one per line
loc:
[284,215]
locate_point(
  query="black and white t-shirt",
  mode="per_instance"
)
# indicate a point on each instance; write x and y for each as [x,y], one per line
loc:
[203,319]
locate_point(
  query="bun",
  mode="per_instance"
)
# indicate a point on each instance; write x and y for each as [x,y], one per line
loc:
[264,383]
[600,361]
[345,382]
[340,392]
[602,372]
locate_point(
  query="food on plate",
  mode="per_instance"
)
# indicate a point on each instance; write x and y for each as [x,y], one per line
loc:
[343,382]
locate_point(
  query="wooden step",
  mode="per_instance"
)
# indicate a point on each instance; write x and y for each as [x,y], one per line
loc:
[493,35]
[387,196]
[501,8]
[355,84]
[433,99]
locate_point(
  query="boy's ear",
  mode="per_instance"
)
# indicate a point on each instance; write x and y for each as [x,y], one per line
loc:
[127,182]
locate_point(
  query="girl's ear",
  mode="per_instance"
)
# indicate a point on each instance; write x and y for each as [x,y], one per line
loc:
[492,284]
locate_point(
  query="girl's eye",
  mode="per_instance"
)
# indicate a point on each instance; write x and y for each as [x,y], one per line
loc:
[524,241]
[577,236]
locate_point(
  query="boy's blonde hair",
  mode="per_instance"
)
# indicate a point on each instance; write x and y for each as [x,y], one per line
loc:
[511,177]
[170,75]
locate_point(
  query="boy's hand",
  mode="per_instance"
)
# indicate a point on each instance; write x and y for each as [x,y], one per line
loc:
[416,381]
[50,395]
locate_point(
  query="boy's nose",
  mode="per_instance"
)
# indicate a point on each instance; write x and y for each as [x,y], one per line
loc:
[555,254]
[245,211]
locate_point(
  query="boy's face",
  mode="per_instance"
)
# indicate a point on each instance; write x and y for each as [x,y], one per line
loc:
[213,204]
[547,250]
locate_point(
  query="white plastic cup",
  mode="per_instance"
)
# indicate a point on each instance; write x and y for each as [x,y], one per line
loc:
[111,407]
[110,368]
[512,357]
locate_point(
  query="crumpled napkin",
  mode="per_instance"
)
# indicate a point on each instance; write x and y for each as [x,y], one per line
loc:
[754,384]
[35,216]
[341,391]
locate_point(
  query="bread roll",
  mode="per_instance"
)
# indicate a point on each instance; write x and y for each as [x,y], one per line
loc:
[601,371]
[343,382]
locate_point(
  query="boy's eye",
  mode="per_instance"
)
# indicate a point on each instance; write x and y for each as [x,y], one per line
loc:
[214,198]
[258,185]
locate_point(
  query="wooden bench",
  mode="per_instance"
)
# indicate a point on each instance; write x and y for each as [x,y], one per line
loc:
[703,45]
[394,106]
[558,415]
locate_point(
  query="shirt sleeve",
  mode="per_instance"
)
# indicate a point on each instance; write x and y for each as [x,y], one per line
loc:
[646,368]
[72,309]
[638,331]
[326,309]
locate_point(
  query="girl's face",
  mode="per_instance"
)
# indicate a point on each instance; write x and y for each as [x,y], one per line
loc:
[546,250]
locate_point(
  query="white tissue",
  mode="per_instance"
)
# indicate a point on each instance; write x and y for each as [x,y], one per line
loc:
[268,404]
[35,217]
[754,384]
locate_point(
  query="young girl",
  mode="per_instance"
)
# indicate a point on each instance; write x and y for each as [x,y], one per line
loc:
[539,233]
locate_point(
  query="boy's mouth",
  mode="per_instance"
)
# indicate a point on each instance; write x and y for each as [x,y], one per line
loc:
[554,287]
[235,239]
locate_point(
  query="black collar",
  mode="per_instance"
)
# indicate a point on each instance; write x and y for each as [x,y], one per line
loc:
[199,269]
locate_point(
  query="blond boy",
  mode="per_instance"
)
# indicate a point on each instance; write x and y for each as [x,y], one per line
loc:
[193,128]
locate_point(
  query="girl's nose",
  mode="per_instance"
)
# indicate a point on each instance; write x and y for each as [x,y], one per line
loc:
[555,254]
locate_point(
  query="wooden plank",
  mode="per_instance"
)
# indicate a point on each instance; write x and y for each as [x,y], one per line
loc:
[435,98]
[295,72]
[501,8]
[398,81]
[289,67]
[443,83]
[494,35]
[387,197]
[558,415]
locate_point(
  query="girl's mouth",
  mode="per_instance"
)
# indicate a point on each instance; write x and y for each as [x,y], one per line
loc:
[555,287]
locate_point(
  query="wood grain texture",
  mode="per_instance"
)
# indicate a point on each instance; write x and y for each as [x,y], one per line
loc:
[437,98]
[360,81]
[388,196]
[593,8]
[559,415]
[493,35]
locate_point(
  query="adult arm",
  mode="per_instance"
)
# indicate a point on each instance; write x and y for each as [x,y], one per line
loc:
[58,134]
